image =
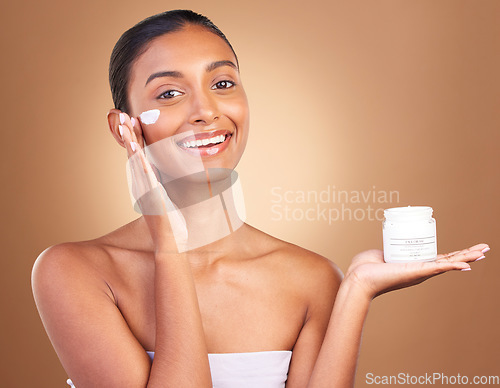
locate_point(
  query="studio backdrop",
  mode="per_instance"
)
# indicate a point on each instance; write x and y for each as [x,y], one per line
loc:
[356,106]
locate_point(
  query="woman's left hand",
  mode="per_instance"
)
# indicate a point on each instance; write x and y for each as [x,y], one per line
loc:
[376,277]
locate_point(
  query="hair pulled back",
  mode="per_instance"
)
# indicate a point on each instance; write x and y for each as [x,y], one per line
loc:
[135,40]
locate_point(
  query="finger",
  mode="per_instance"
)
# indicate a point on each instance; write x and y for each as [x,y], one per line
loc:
[144,178]
[415,273]
[446,255]
[125,121]
[147,191]
[463,256]
[148,174]
[148,194]
[142,175]
[137,181]
[442,267]
[133,148]
[478,248]
[130,140]
[134,127]
[434,268]
[466,256]
[137,131]
[139,138]
[127,139]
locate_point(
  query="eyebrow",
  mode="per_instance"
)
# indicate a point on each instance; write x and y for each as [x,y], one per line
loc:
[214,65]
[177,74]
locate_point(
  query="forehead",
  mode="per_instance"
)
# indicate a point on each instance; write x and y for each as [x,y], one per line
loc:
[189,47]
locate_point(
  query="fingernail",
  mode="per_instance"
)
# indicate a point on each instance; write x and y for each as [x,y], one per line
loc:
[120,129]
[133,145]
[132,120]
[466,269]
[480,258]
[122,118]
[485,249]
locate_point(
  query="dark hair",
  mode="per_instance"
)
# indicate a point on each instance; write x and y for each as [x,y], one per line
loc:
[134,42]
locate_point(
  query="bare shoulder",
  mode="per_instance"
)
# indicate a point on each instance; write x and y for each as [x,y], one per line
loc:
[301,266]
[61,257]
[78,308]
[90,261]
[67,266]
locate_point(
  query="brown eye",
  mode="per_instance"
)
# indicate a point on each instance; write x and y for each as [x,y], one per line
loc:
[169,94]
[223,85]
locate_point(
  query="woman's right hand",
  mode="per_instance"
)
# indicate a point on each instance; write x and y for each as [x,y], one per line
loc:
[179,329]
[165,222]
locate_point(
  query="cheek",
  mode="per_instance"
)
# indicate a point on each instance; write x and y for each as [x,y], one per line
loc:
[165,125]
[238,112]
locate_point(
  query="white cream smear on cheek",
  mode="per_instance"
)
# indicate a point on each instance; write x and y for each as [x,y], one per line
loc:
[150,116]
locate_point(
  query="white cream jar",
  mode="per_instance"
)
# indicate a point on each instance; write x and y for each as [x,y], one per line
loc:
[409,234]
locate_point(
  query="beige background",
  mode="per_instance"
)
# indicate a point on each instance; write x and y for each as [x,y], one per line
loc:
[398,95]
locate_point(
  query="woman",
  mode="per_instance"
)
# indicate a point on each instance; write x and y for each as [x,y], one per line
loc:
[217,301]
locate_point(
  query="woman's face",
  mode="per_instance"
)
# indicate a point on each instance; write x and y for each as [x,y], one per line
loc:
[192,78]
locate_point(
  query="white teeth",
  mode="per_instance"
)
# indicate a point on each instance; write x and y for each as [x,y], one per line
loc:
[199,143]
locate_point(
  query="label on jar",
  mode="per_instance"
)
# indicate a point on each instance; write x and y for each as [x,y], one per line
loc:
[409,249]
[409,242]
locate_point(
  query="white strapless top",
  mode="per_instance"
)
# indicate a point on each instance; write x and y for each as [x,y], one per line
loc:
[246,370]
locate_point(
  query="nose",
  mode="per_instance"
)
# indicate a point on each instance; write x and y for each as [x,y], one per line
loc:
[204,109]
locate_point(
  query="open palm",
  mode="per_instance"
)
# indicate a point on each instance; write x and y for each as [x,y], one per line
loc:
[369,270]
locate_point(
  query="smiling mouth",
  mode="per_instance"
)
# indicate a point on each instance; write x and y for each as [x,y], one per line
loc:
[206,144]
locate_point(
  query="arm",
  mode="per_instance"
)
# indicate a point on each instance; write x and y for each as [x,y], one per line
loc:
[321,280]
[181,356]
[368,277]
[337,360]
[79,313]
[92,339]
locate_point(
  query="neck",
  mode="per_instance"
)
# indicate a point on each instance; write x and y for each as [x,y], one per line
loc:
[212,205]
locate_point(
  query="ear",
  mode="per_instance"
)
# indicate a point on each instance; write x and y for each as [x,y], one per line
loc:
[114,122]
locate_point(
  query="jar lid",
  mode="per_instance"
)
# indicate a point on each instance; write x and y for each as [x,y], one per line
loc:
[408,213]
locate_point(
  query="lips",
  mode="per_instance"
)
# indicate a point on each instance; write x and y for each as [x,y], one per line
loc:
[206,144]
